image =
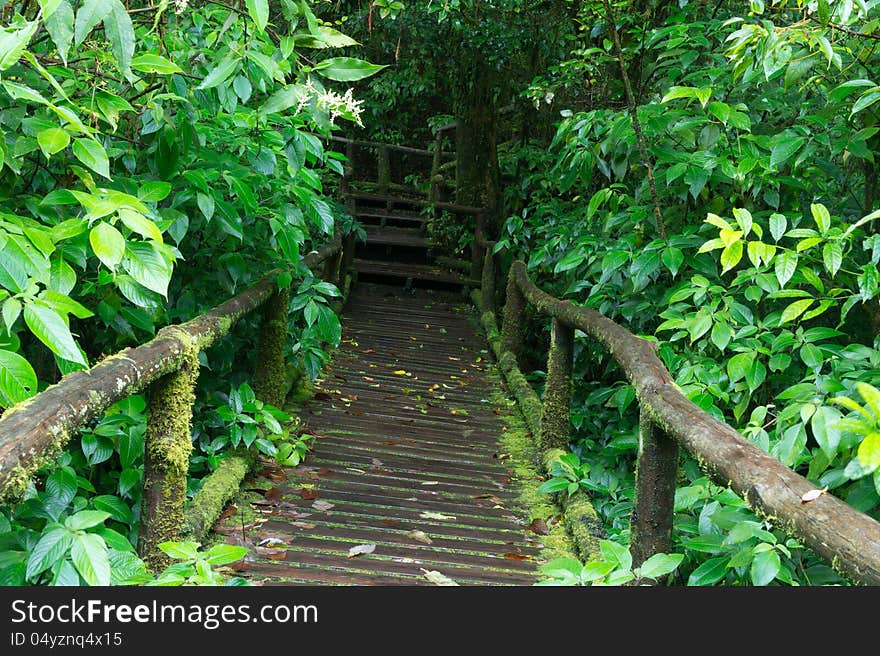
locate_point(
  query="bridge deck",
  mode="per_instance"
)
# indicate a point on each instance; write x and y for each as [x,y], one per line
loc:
[406,462]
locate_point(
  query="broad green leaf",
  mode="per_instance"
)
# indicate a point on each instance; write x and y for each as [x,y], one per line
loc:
[220,73]
[147,266]
[324,37]
[223,554]
[709,572]
[53,140]
[832,257]
[51,547]
[150,63]
[93,155]
[660,564]
[616,553]
[672,258]
[50,328]
[821,216]
[731,255]
[784,149]
[869,451]
[679,92]
[825,430]
[60,26]
[765,567]
[206,205]
[284,99]
[89,15]
[871,395]
[137,222]
[48,7]
[778,225]
[86,519]
[346,69]
[119,29]
[154,191]
[89,556]
[14,39]
[739,365]
[108,244]
[17,378]
[259,12]
[795,310]
[786,265]
[181,550]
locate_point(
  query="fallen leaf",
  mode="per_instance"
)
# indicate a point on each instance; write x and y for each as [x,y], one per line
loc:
[322,396]
[510,555]
[272,494]
[539,526]
[812,495]
[391,522]
[376,462]
[436,515]
[361,549]
[430,482]
[274,543]
[308,494]
[420,536]
[322,505]
[304,525]
[402,372]
[437,578]
[229,512]
[277,555]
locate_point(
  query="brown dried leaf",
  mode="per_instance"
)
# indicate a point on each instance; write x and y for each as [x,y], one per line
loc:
[277,555]
[273,494]
[322,505]
[510,555]
[308,494]
[539,526]
[812,495]
[437,578]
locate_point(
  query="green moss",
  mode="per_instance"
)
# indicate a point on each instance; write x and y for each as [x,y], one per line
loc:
[17,479]
[271,381]
[217,490]
[556,412]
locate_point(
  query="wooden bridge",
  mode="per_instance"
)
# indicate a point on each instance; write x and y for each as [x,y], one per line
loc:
[410,481]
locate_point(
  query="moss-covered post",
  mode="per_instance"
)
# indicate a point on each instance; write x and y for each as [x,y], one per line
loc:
[513,322]
[383,166]
[435,167]
[332,268]
[270,379]
[487,288]
[477,249]
[656,472]
[348,245]
[556,412]
[166,457]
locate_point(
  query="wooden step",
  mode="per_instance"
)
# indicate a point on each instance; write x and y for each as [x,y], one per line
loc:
[406,272]
[394,236]
[370,217]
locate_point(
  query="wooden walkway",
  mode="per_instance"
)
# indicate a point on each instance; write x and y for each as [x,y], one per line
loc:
[405,485]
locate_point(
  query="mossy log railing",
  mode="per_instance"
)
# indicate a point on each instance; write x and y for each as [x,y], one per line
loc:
[33,432]
[847,538]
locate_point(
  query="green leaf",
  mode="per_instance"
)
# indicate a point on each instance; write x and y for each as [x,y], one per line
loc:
[119,30]
[867,99]
[52,140]
[672,258]
[86,519]
[284,99]
[60,26]
[259,12]
[738,366]
[721,335]
[150,63]
[825,429]
[89,555]
[659,565]
[113,506]
[346,69]
[137,222]
[93,155]
[223,554]
[616,553]
[786,265]
[48,7]
[108,244]
[181,550]
[869,451]
[784,149]
[731,255]
[220,73]
[832,257]
[50,328]
[795,310]
[553,485]
[778,224]
[17,379]
[89,15]
[13,41]
[709,572]
[679,92]
[147,266]
[52,547]
[765,567]
[821,216]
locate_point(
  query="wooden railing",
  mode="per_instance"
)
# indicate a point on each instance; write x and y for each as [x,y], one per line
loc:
[848,539]
[33,432]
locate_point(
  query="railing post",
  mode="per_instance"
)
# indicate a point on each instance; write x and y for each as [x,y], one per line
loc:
[383,164]
[348,245]
[270,373]
[656,472]
[167,448]
[435,167]
[556,411]
[513,322]
[487,286]
[477,250]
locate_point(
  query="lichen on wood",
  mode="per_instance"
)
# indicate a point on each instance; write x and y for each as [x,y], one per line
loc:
[271,382]
[217,490]
[556,411]
[513,322]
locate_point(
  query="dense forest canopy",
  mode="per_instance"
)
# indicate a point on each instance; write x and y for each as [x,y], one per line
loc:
[702,172]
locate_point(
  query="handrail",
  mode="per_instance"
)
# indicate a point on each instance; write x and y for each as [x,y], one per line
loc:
[847,538]
[423,152]
[36,429]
